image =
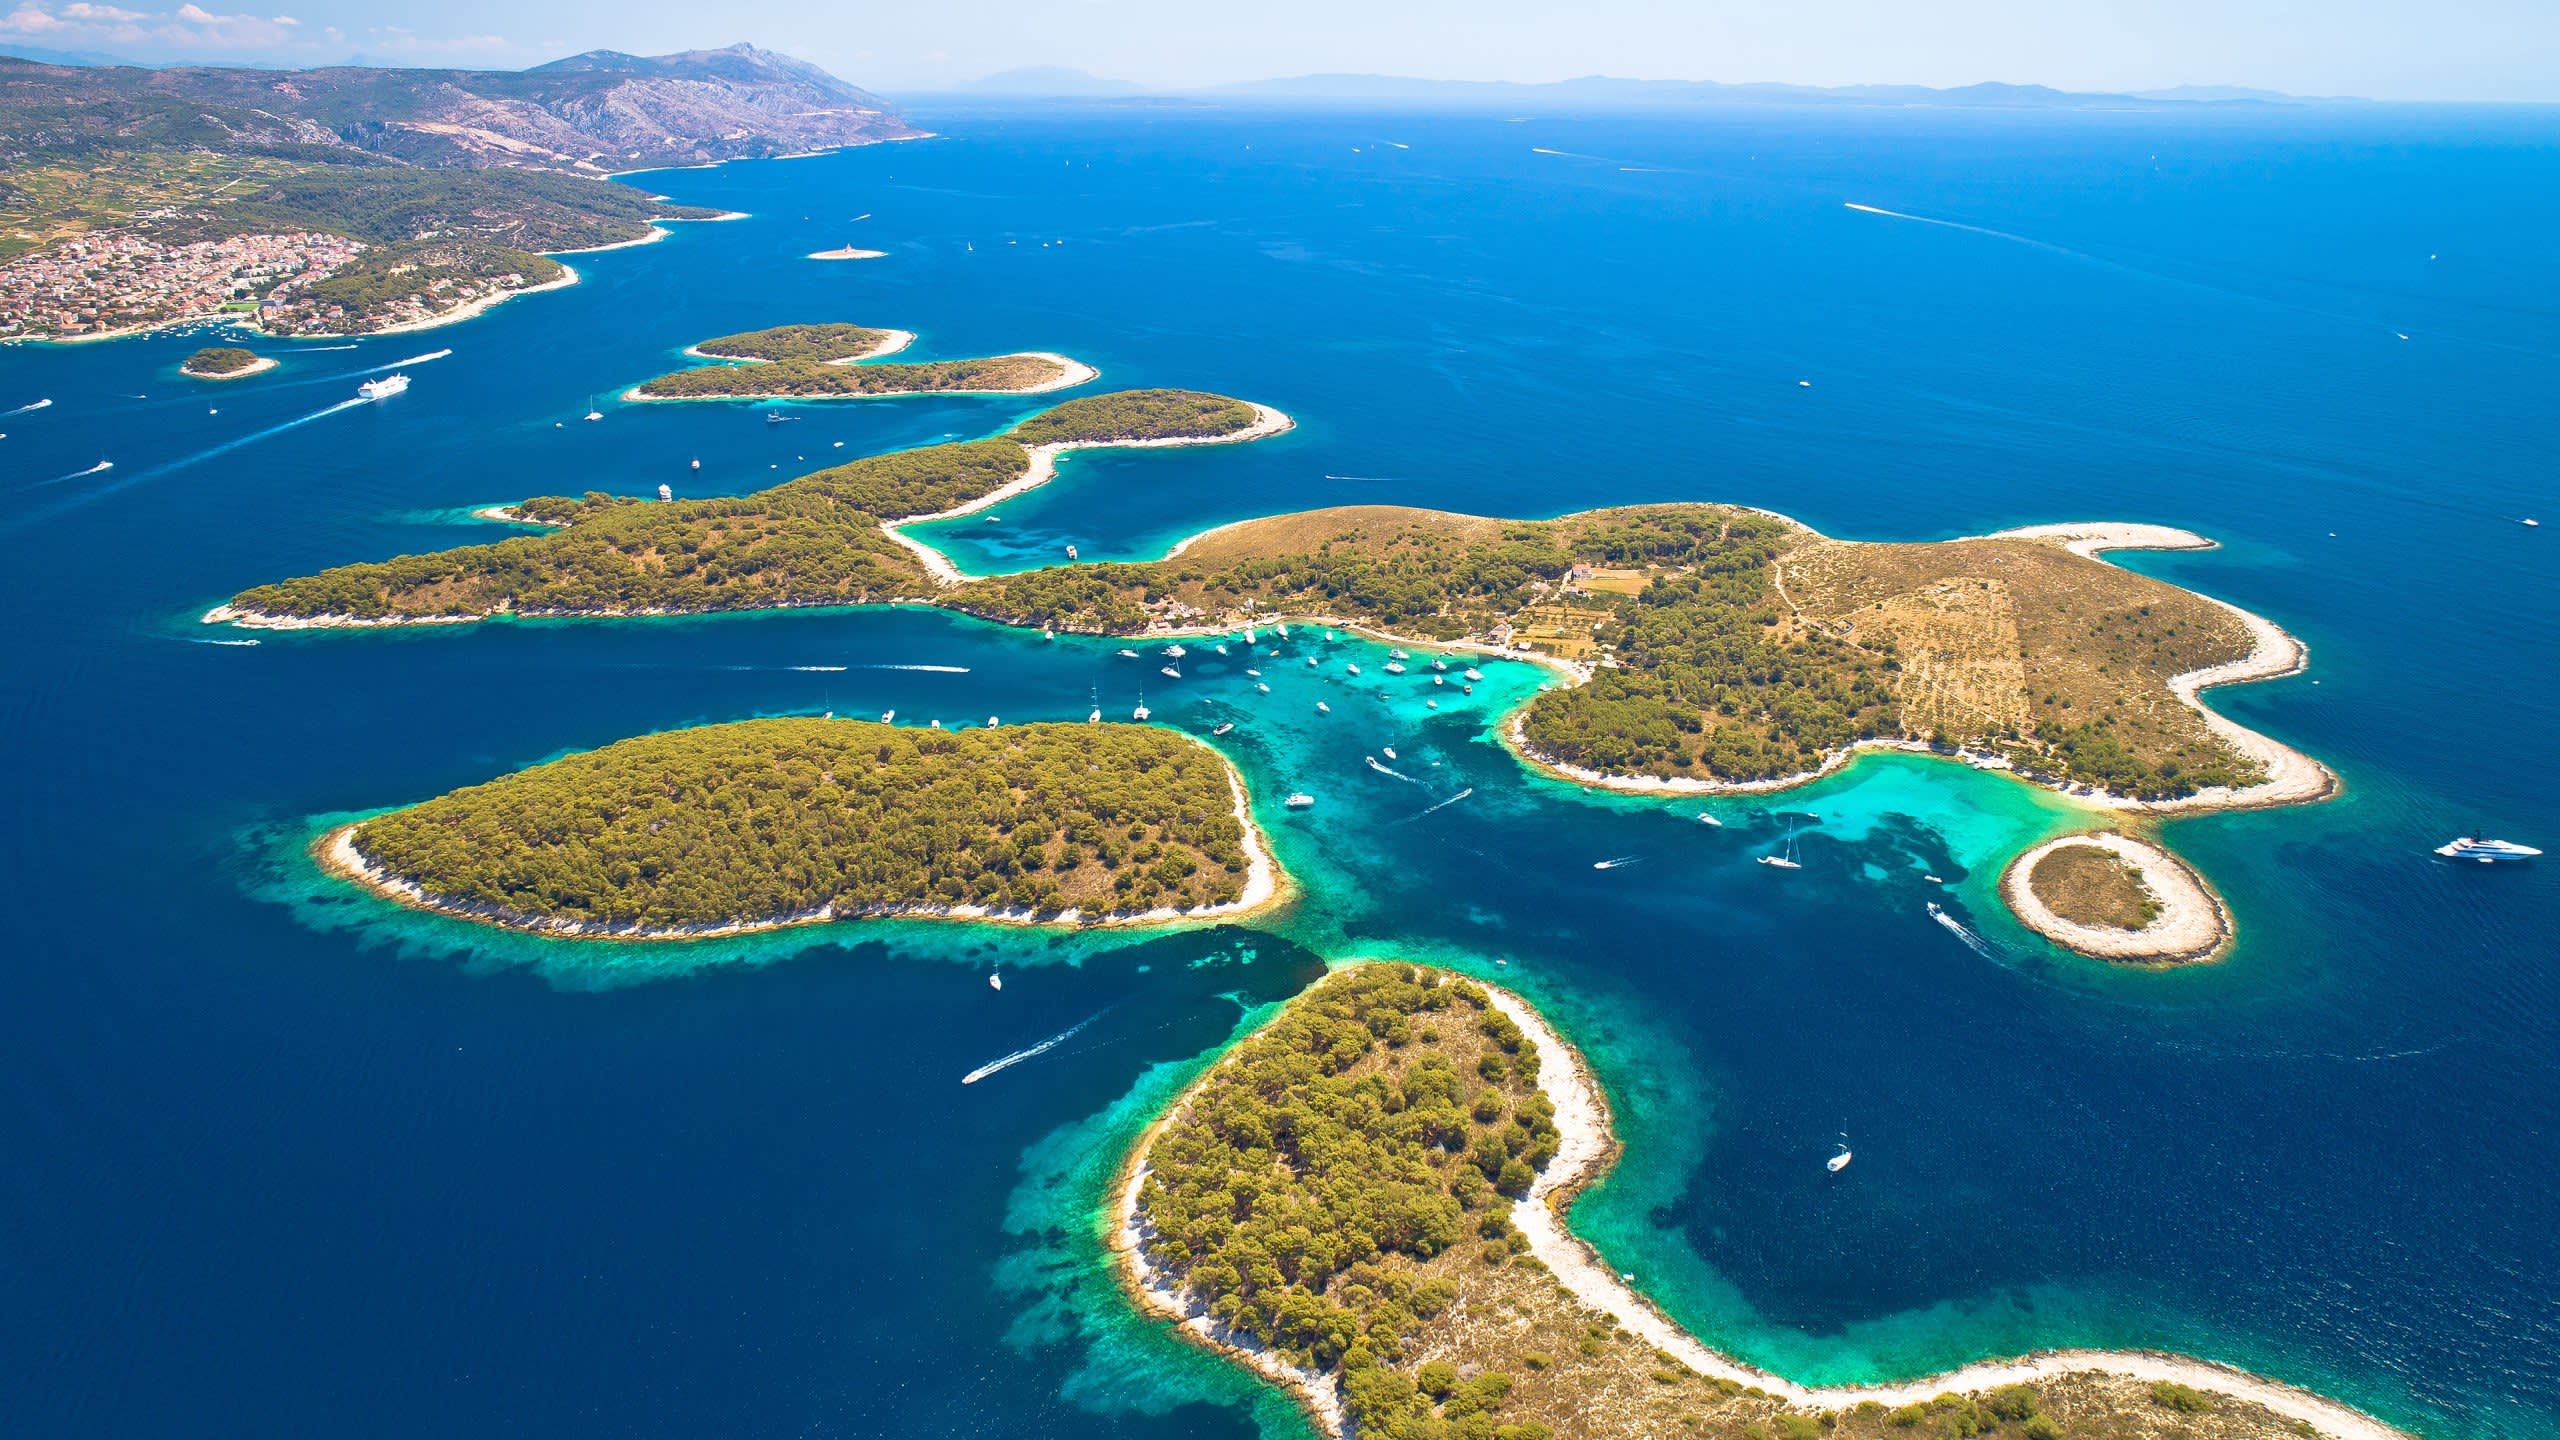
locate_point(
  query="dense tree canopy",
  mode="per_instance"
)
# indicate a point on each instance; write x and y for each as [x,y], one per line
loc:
[764,818]
[218,360]
[815,540]
[1388,1115]
[1127,415]
[822,379]
[796,342]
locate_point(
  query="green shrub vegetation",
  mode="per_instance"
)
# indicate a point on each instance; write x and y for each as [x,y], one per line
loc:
[796,342]
[1300,1188]
[764,818]
[1127,415]
[822,379]
[218,360]
[815,540]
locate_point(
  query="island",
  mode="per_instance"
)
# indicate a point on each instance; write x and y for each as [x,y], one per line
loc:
[760,824]
[842,362]
[1699,648]
[2113,896]
[821,539]
[359,200]
[224,362]
[1364,1200]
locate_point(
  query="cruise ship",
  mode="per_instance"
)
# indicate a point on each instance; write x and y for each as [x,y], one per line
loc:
[382,389]
[2487,852]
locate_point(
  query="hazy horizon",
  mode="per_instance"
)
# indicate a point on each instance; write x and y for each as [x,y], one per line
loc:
[2465,50]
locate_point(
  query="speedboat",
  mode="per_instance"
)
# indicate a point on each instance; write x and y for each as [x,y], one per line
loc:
[1387,750]
[1473,674]
[888,715]
[991,722]
[1265,689]
[2487,852]
[1168,670]
[1311,660]
[1394,668]
[1128,654]
[1256,674]
[1839,1162]
[1354,669]
[1323,709]
[1224,727]
[1706,819]
[1398,655]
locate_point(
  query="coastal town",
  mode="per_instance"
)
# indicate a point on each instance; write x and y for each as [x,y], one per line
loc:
[121,280]
[303,282]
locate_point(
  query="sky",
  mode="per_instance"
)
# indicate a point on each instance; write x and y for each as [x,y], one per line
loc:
[2382,49]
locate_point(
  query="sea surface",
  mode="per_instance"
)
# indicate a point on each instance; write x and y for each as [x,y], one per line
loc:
[282,1160]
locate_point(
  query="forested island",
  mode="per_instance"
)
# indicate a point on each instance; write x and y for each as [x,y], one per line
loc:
[223,362]
[764,823]
[1363,1200]
[839,362]
[1727,646]
[816,540]
[1713,646]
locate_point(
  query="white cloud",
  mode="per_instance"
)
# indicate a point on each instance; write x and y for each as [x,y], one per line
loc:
[30,20]
[77,11]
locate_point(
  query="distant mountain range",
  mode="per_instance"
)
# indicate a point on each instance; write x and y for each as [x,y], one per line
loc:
[1058,82]
[598,112]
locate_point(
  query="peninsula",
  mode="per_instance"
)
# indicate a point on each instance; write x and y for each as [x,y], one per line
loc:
[761,824]
[842,362]
[1364,1201]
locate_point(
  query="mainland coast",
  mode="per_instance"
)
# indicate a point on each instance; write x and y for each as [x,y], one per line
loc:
[2113,1382]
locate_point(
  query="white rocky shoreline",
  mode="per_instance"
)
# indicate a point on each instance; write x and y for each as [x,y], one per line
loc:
[1587,1148]
[338,853]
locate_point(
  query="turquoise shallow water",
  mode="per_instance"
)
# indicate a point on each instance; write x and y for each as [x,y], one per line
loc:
[295,1162]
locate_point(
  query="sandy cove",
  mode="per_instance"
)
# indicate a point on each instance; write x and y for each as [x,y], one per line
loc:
[2192,923]
[1044,468]
[1263,887]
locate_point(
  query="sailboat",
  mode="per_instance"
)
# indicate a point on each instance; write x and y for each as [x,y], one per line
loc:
[1141,712]
[1839,1162]
[1096,717]
[995,982]
[1787,861]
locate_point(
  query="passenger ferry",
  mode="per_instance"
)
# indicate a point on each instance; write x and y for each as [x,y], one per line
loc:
[384,388]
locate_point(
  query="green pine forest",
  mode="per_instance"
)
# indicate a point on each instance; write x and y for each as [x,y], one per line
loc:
[726,824]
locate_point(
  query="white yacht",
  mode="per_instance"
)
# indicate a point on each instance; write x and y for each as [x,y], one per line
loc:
[1168,670]
[1350,666]
[1839,1162]
[1473,674]
[1705,818]
[1387,750]
[1142,712]
[384,388]
[1395,667]
[2487,852]
[1301,801]
[1128,654]
[1323,709]
[888,715]
[1224,727]
[1788,860]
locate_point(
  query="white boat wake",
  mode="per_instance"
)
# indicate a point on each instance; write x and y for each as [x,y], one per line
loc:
[100,468]
[1613,864]
[1392,774]
[1017,1057]
[818,669]
[1956,927]
[1452,800]
[929,669]
[1970,229]
[199,640]
[412,360]
[23,409]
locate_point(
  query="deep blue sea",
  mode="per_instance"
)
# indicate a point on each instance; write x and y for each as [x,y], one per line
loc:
[283,1161]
